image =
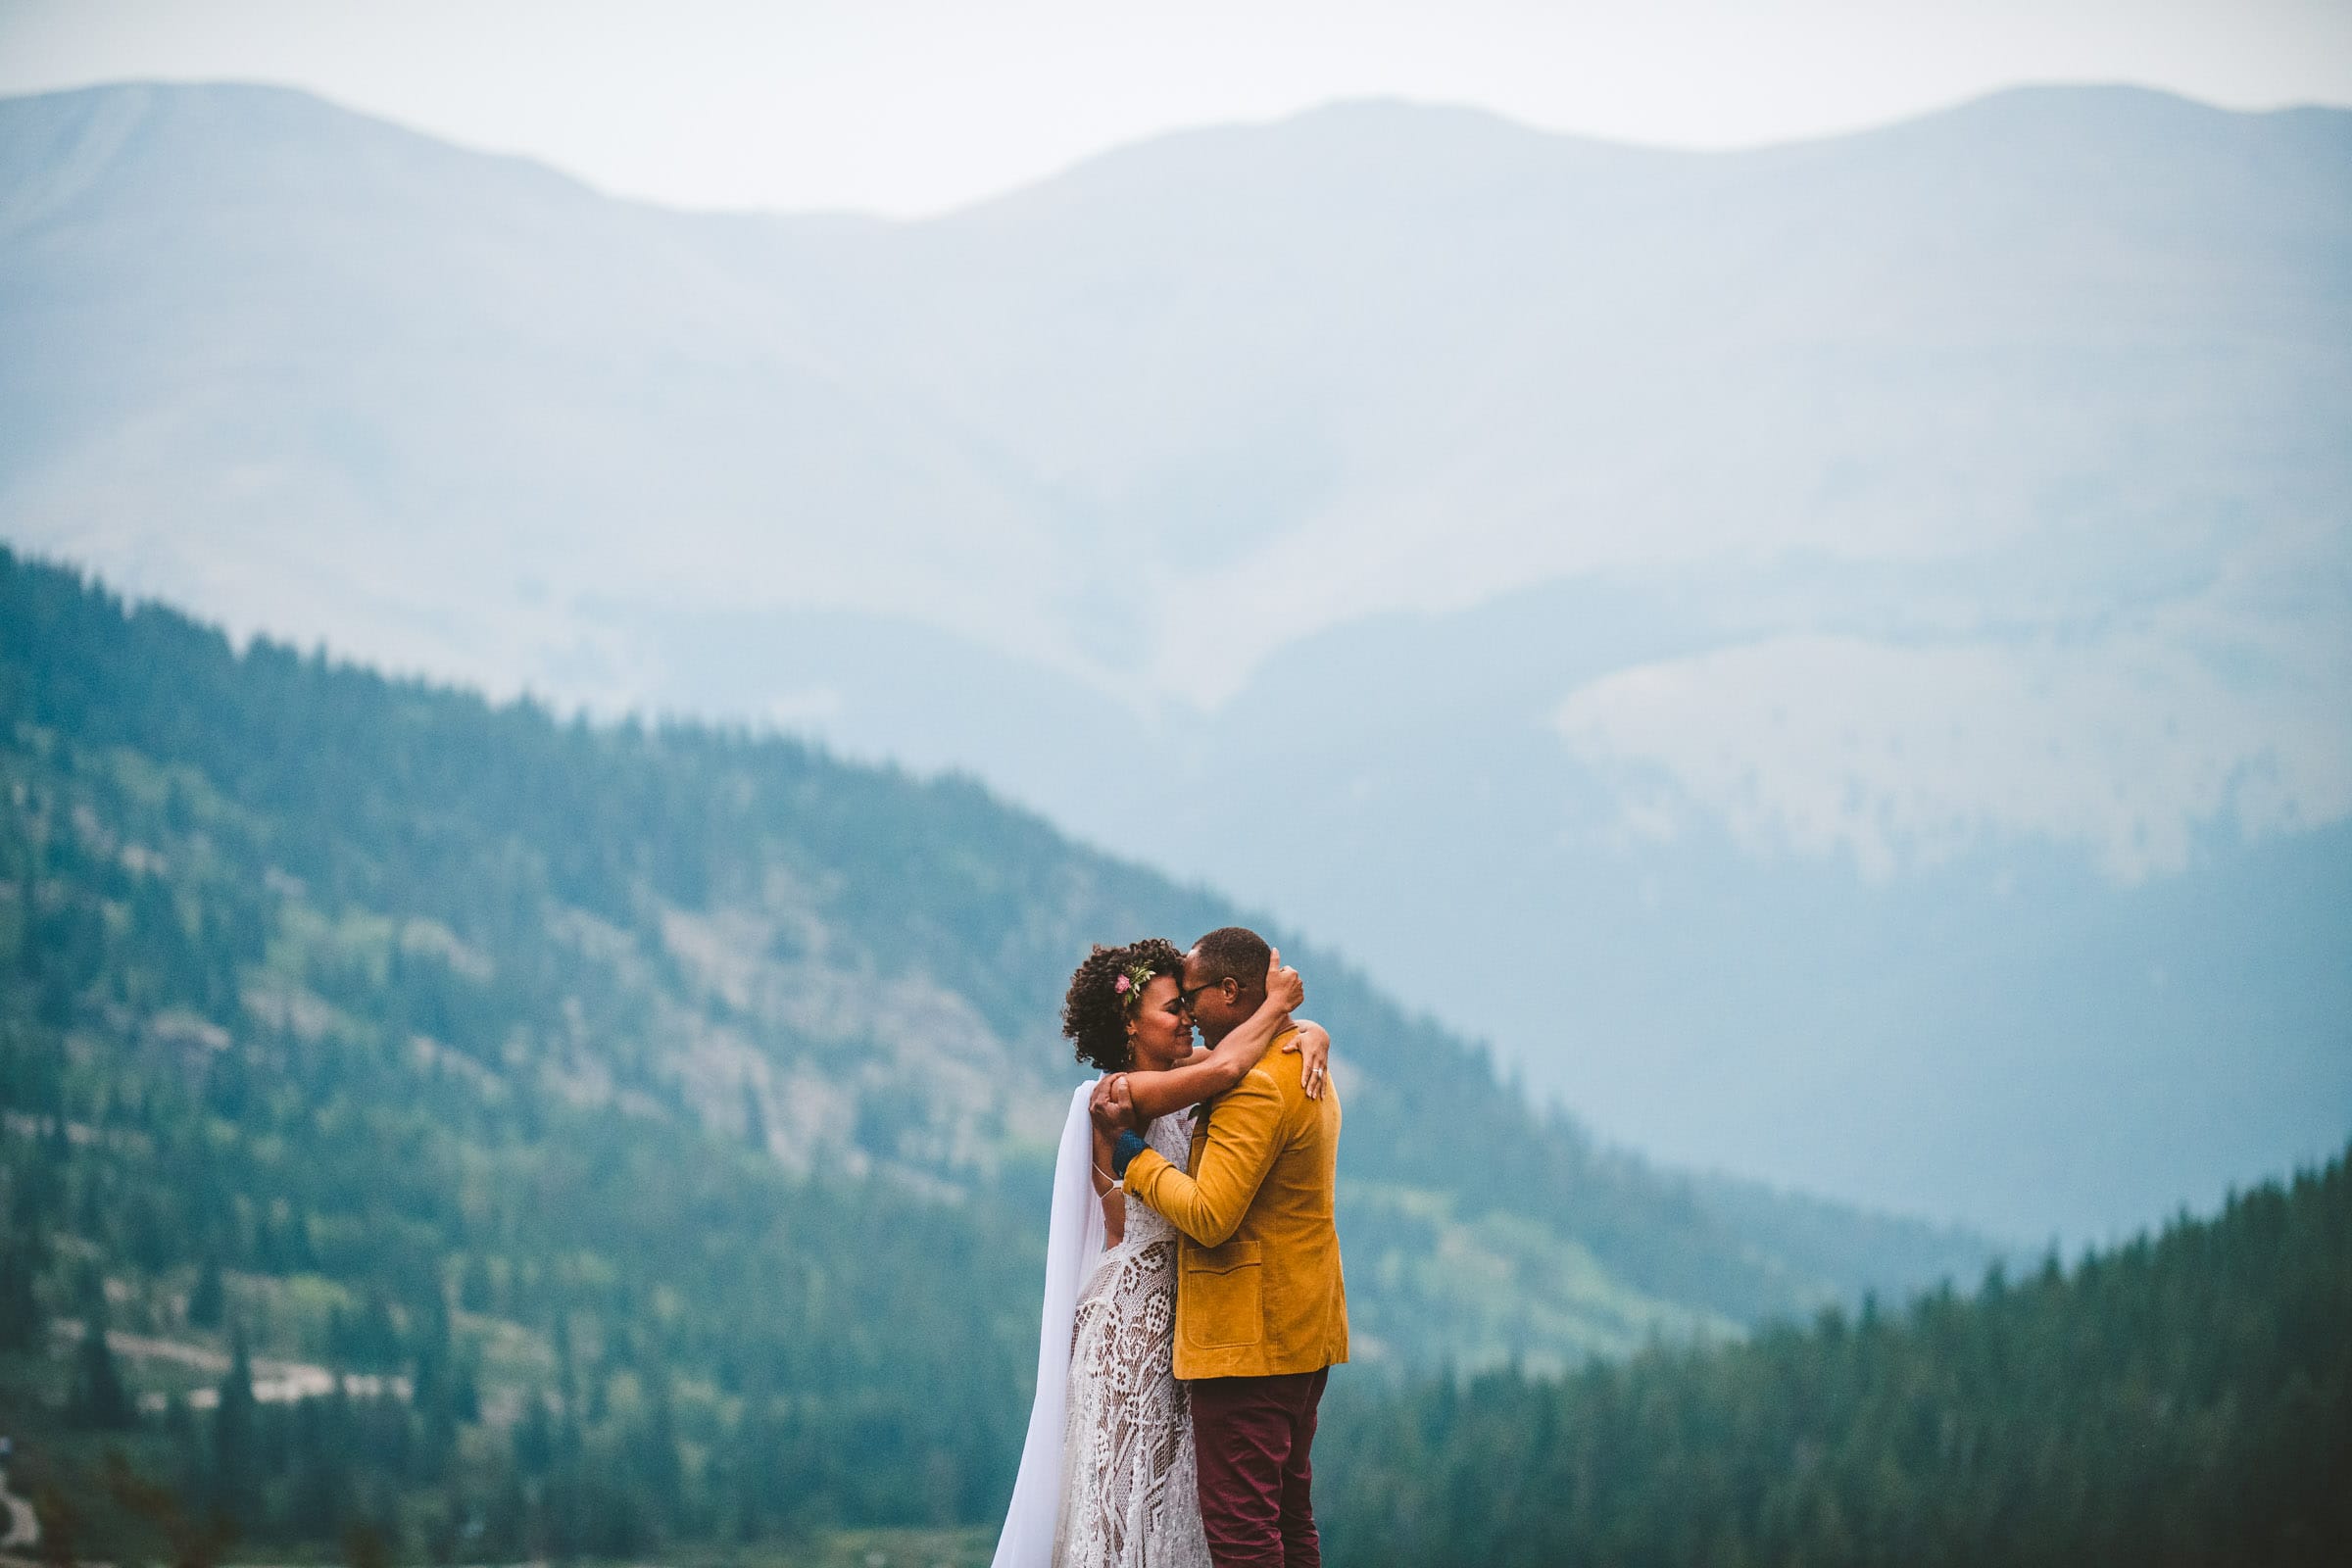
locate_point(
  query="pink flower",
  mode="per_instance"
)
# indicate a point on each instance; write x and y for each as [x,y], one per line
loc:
[1122,985]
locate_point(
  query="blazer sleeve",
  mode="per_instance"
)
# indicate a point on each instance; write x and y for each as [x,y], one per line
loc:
[1244,1134]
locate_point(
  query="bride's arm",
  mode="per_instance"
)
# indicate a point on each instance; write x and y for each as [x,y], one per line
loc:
[1310,1042]
[1155,1094]
[1108,1192]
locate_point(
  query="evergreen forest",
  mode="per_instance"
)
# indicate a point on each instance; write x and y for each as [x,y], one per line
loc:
[2182,1400]
[440,1131]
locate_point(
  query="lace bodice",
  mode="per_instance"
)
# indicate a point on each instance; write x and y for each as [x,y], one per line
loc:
[1171,1138]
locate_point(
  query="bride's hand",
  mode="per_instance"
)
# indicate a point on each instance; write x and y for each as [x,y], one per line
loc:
[1313,1047]
[1284,988]
[1112,1105]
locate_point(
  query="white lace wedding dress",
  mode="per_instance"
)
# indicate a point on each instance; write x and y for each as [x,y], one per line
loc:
[1130,1498]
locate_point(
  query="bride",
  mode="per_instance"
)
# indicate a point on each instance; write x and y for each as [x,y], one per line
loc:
[1106,1477]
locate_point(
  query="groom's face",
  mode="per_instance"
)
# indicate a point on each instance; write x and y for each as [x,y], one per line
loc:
[1215,1005]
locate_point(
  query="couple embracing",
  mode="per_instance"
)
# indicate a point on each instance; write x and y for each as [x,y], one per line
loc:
[1194,1304]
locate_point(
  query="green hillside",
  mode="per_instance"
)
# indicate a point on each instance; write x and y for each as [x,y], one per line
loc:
[2185,1399]
[660,1115]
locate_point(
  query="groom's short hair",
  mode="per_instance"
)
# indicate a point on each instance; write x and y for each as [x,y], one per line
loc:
[1234,952]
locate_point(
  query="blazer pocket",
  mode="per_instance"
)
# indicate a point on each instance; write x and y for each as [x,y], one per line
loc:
[1224,1289]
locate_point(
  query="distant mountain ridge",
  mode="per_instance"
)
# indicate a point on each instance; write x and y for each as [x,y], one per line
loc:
[1817,652]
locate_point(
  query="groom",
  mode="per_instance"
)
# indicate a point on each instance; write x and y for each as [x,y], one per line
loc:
[1262,1313]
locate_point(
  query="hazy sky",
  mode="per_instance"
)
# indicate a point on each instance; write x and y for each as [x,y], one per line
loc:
[910,106]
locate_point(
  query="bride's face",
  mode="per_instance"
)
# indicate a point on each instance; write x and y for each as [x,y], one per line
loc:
[1163,1031]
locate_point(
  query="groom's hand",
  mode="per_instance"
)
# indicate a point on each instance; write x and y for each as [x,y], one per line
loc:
[1283,985]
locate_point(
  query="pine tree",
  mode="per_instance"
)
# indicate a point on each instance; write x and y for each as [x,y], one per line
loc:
[21,1316]
[321,1492]
[534,1438]
[474,1292]
[209,1300]
[236,1440]
[98,1399]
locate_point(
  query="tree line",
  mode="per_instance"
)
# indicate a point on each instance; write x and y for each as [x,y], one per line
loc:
[2182,1400]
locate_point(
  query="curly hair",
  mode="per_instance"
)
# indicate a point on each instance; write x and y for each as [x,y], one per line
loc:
[1095,1013]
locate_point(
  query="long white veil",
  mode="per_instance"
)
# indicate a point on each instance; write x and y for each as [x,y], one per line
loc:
[1073,1244]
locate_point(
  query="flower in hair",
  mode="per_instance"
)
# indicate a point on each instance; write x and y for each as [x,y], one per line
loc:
[1122,984]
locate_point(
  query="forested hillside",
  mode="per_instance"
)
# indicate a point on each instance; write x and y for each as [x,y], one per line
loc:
[2182,1400]
[659,1116]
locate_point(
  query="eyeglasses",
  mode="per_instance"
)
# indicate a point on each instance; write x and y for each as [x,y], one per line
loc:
[1187,997]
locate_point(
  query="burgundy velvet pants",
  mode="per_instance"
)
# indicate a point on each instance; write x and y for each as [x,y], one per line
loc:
[1252,1436]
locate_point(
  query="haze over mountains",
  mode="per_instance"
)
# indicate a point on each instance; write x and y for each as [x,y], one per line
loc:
[1834,657]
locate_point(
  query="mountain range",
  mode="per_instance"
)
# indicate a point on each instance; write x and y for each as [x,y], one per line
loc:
[1821,654]
[320,901]
[470,1136]
[656,1122]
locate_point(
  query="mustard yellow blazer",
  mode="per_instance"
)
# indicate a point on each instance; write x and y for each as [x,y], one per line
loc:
[1258,1290]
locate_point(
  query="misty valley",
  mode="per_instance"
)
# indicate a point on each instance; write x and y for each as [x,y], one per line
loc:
[557,757]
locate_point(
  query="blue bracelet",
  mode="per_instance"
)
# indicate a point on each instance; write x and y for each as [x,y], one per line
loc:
[1126,1148]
